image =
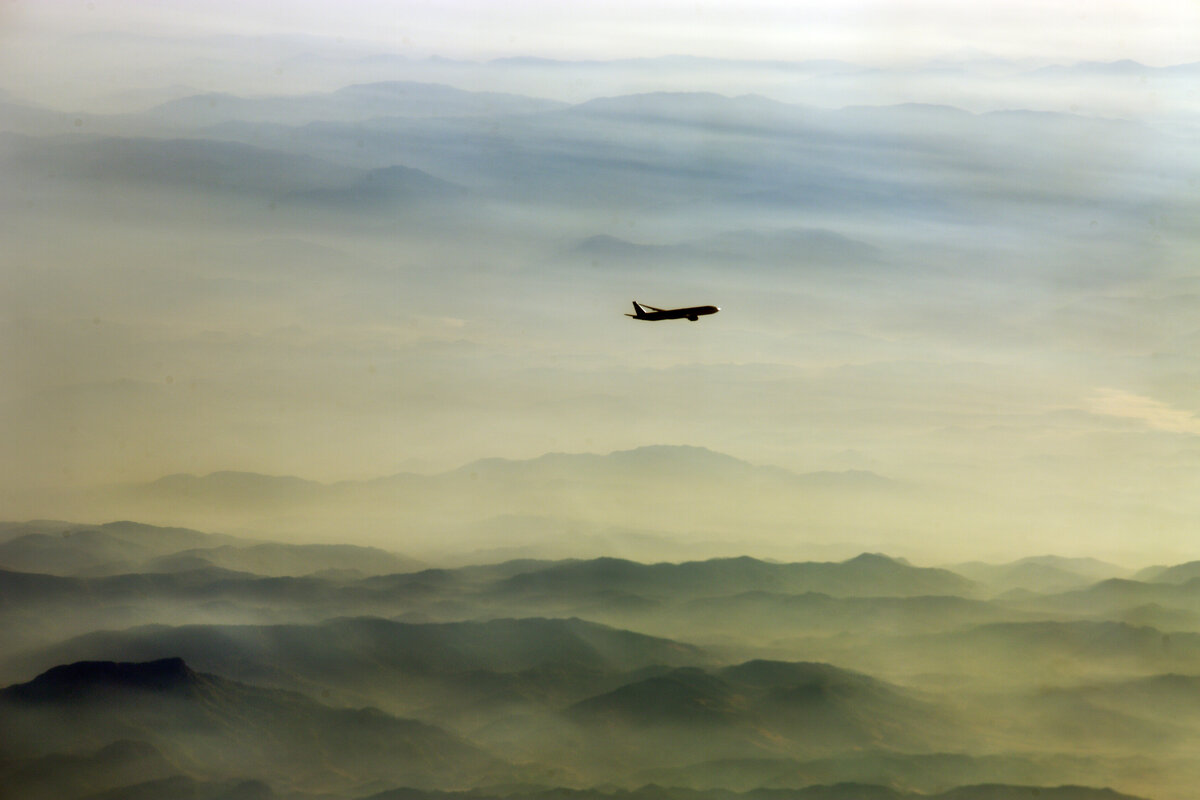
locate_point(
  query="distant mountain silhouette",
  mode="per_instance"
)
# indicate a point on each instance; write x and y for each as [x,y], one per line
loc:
[1044,574]
[865,575]
[654,461]
[385,187]
[680,461]
[1117,595]
[748,111]
[1179,573]
[1109,69]
[102,549]
[660,488]
[354,103]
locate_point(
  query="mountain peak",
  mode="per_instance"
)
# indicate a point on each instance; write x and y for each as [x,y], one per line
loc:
[663,452]
[768,673]
[872,559]
[86,677]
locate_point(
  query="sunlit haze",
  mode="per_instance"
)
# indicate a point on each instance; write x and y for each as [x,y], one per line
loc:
[954,246]
[599,400]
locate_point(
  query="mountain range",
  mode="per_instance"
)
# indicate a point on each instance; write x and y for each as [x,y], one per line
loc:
[653,493]
[123,547]
[945,289]
[438,141]
[895,677]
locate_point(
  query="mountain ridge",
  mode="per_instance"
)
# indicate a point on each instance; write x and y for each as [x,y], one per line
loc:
[218,728]
[658,455]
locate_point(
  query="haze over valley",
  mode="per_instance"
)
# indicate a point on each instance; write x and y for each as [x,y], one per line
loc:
[332,467]
[144,661]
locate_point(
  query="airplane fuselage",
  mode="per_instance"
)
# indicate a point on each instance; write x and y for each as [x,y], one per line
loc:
[652,314]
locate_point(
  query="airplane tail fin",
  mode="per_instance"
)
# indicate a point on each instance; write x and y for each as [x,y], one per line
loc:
[638,310]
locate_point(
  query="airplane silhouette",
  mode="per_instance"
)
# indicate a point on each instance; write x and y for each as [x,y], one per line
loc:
[694,313]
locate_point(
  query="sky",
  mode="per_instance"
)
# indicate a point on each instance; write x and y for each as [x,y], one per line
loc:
[992,307]
[52,54]
[876,31]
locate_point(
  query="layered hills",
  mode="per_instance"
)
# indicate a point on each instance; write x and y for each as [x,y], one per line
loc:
[123,547]
[958,300]
[221,729]
[864,677]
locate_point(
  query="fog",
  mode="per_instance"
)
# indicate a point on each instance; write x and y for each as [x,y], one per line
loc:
[331,466]
[989,309]
[170,661]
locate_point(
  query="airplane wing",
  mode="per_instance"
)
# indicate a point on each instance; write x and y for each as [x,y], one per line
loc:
[652,308]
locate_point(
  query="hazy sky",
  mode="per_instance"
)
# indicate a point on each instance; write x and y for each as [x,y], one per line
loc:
[95,54]
[1005,309]
[1159,32]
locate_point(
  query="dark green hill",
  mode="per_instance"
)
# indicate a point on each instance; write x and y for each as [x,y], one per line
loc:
[819,706]
[765,708]
[404,665]
[220,729]
[867,575]
[681,697]
[1001,792]
[786,674]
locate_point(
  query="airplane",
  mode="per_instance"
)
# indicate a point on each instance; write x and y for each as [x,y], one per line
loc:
[694,313]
